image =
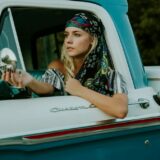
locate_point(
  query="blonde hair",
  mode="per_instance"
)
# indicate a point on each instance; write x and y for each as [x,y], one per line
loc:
[68,61]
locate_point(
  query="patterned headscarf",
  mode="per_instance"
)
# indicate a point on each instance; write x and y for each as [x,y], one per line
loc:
[95,71]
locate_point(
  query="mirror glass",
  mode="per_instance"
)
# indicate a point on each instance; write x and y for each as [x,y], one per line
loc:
[8,59]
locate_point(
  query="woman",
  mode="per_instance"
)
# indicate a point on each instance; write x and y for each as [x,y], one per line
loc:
[83,70]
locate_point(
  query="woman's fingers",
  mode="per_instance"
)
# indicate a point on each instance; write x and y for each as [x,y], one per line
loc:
[13,79]
[3,75]
[7,76]
[17,78]
[73,86]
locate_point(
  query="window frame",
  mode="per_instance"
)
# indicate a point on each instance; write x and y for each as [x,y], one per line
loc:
[112,38]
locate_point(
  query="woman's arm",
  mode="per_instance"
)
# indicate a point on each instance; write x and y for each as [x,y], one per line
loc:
[40,87]
[23,79]
[116,106]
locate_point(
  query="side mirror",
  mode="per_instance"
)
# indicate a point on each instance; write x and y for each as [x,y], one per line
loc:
[8,59]
[157,98]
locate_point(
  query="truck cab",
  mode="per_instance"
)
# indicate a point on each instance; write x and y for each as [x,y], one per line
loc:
[69,127]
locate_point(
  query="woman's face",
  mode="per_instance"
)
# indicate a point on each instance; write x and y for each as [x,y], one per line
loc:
[77,42]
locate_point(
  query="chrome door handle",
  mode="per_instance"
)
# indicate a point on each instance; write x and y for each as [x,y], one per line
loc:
[144,103]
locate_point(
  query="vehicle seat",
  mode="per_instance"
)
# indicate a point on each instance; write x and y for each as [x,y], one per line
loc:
[37,74]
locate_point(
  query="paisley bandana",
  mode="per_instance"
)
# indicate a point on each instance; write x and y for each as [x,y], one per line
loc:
[95,72]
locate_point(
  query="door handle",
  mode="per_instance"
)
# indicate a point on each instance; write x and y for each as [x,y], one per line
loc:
[144,103]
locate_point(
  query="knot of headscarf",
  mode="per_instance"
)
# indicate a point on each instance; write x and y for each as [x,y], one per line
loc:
[95,69]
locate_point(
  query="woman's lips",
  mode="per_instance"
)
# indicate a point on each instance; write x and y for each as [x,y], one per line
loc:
[70,48]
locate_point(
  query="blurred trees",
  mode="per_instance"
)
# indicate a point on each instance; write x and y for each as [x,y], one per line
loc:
[145,20]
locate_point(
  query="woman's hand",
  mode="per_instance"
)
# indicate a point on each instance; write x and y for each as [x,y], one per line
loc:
[73,87]
[116,106]
[11,77]
[18,78]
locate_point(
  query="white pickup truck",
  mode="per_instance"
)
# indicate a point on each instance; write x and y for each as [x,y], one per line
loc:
[69,127]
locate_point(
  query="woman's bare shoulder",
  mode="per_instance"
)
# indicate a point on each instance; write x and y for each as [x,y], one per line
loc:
[57,64]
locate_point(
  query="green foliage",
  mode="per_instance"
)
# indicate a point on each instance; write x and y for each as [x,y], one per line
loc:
[145,20]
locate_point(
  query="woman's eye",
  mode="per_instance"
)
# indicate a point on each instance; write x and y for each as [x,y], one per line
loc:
[77,34]
[65,35]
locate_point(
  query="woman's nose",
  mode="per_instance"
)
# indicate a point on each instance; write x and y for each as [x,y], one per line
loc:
[69,39]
